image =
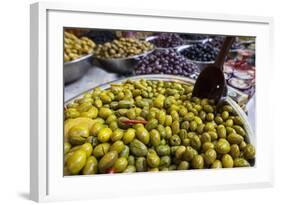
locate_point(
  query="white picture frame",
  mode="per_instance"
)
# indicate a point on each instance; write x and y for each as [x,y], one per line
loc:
[46,142]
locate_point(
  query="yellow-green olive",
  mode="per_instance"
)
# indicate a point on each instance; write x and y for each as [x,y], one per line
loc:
[91,166]
[104,134]
[76,161]
[227,161]
[216,164]
[101,149]
[222,146]
[129,136]
[120,164]
[107,161]
[249,151]
[197,162]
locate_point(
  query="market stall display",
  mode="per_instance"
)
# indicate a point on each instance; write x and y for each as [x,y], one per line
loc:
[166,62]
[139,125]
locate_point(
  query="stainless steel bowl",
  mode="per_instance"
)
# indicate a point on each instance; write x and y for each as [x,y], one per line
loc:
[250,138]
[73,70]
[120,65]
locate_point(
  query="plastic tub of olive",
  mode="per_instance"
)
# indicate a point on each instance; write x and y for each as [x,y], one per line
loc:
[73,70]
[120,65]
[250,137]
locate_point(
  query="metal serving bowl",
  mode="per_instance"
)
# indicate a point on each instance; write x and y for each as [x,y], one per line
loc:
[250,138]
[73,70]
[120,65]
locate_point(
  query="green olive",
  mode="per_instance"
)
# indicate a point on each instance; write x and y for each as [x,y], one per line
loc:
[101,149]
[239,130]
[104,134]
[153,159]
[227,161]
[240,162]
[107,161]
[120,164]
[79,131]
[195,142]
[88,148]
[189,154]
[76,161]
[165,161]
[91,166]
[249,152]
[143,135]
[155,137]
[210,156]
[223,146]
[175,140]
[67,147]
[207,145]
[221,131]
[216,164]
[180,151]
[197,162]
[175,127]
[131,160]
[130,169]
[125,152]
[118,146]
[183,165]
[234,138]
[141,165]
[96,128]
[163,150]
[105,112]
[129,136]
[151,124]
[117,135]
[138,148]
[234,151]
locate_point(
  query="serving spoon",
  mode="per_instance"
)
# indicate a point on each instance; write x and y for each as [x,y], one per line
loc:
[211,83]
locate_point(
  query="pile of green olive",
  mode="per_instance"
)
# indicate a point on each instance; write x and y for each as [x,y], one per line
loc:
[75,47]
[144,125]
[122,48]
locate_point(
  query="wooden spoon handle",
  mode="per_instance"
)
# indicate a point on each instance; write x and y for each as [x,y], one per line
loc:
[223,51]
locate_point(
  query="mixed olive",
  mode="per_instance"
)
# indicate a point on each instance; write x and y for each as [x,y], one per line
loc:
[146,125]
[122,48]
[75,47]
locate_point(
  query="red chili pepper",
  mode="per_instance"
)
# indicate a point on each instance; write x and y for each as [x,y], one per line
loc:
[132,122]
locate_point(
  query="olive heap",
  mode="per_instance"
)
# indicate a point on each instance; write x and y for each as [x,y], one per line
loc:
[122,48]
[201,52]
[165,61]
[75,47]
[168,40]
[143,125]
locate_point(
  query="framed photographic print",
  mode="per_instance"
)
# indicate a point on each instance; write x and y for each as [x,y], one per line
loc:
[134,101]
